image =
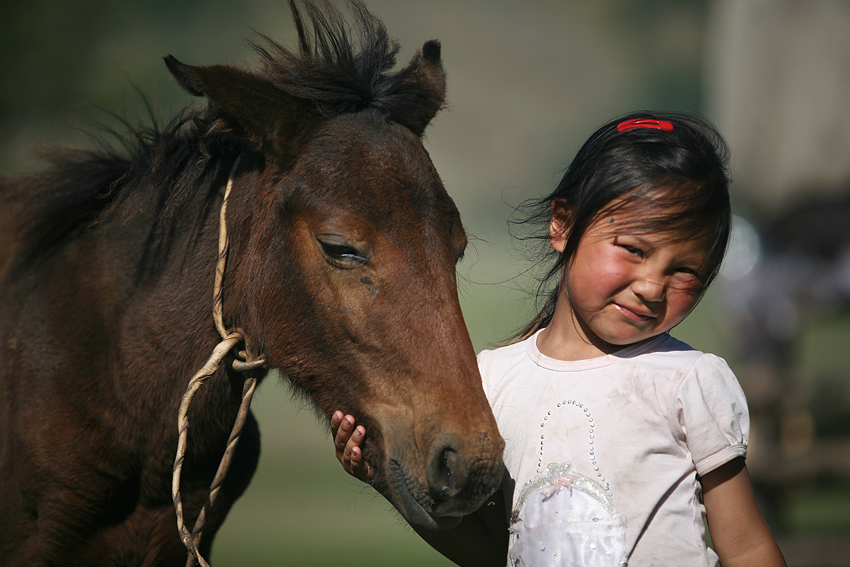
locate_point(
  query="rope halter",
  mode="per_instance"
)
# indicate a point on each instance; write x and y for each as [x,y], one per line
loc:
[243,362]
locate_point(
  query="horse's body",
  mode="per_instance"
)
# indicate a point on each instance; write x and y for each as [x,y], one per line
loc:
[340,272]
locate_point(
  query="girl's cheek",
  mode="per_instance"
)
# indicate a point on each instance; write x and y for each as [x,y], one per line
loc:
[607,261]
[683,301]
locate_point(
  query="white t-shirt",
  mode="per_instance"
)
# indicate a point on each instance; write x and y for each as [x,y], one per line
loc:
[605,453]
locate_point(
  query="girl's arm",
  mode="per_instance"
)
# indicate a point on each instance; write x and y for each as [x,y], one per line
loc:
[738,530]
[481,539]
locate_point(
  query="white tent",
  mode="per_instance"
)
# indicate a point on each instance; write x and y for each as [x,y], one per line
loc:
[778,83]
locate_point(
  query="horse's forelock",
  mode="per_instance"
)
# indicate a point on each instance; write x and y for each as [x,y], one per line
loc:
[346,66]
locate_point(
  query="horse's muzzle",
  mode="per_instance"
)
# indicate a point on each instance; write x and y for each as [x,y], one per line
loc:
[456,483]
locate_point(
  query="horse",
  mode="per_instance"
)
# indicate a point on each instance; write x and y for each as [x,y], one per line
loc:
[339,273]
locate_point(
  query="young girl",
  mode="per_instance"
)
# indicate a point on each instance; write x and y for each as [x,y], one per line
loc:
[620,439]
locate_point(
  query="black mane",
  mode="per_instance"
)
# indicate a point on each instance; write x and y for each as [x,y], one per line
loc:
[341,66]
[343,74]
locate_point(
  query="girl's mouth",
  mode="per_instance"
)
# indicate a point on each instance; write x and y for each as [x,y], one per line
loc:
[634,315]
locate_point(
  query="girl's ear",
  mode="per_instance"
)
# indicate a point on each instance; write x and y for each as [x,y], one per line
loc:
[559,225]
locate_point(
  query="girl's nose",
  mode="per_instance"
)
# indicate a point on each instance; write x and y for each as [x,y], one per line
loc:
[650,289]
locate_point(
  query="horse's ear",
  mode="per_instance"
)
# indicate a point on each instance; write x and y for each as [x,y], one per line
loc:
[426,77]
[271,118]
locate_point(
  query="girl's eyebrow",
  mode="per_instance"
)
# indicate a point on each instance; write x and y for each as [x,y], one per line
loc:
[695,259]
[639,238]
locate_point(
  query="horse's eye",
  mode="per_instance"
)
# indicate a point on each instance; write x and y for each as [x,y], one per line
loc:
[342,255]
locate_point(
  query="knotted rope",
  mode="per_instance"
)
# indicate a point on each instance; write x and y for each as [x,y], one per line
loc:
[243,362]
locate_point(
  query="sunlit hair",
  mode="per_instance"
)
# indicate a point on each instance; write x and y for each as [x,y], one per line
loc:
[675,182]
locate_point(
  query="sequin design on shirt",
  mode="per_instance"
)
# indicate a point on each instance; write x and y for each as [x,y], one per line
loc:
[563,518]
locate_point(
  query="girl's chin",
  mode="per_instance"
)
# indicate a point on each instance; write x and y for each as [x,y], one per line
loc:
[626,337]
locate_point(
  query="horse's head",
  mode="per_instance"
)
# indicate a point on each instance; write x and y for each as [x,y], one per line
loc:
[342,266]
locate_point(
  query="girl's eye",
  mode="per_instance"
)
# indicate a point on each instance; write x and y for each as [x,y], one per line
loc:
[689,279]
[342,255]
[689,272]
[632,250]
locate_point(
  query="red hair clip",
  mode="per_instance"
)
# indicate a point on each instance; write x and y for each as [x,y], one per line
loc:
[644,123]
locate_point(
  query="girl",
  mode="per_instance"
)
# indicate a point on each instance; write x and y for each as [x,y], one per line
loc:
[620,439]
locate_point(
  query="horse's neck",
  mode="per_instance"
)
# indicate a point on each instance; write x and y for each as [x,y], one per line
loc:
[9,229]
[170,272]
[140,291]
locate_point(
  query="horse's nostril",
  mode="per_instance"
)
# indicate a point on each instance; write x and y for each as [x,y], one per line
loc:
[447,472]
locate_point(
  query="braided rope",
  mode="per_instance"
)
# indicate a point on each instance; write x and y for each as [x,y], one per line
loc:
[196,382]
[223,245]
[242,364]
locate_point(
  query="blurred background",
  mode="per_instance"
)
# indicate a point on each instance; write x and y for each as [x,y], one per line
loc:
[528,82]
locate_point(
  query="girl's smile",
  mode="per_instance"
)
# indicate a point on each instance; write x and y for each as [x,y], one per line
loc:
[634,314]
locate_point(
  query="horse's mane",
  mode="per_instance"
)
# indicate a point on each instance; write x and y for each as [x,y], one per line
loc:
[343,75]
[341,66]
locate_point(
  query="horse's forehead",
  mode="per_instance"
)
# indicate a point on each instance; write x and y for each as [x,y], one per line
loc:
[358,145]
[364,176]
[365,159]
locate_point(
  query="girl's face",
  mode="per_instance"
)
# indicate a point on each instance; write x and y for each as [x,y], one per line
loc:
[624,284]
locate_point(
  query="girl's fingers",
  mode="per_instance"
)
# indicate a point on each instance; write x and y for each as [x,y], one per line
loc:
[336,419]
[357,465]
[361,468]
[343,427]
[348,439]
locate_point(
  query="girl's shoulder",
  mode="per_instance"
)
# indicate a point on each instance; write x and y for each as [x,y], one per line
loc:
[498,364]
[670,349]
[663,344]
[672,360]
[503,354]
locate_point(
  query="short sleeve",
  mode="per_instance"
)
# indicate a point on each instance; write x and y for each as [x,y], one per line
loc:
[713,414]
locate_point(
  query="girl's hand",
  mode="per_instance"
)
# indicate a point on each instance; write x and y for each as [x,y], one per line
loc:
[347,441]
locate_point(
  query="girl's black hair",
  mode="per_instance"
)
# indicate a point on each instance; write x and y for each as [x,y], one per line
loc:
[684,170]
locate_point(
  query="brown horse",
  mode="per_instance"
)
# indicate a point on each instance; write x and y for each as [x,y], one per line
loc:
[340,273]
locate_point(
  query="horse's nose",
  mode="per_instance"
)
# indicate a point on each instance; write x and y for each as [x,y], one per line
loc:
[448,470]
